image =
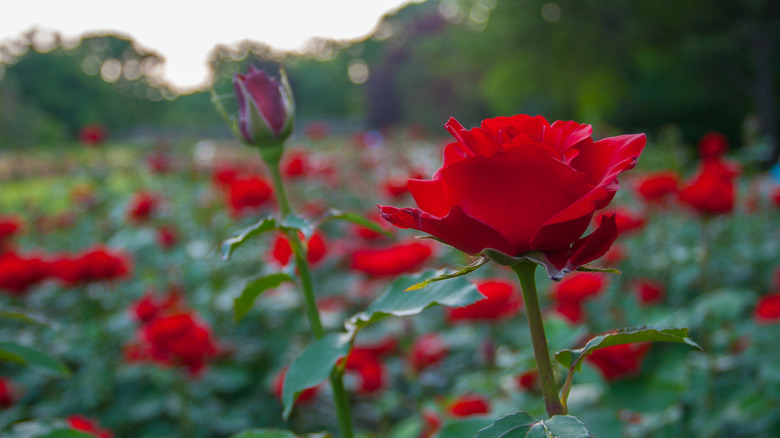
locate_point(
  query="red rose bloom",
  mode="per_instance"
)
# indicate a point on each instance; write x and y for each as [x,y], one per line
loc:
[523,187]
[391,260]
[180,340]
[18,273]
[468,405]
[92,427]
[431,424]
[572,292]
[619,361]
[713,145]
[527,380]
[96,264]
[295,164]
[248,193]
[9,225]
[649,292]
[151,307]
[167,236]
[158,162]
[501,300]
[364,361]
[142,207]
[655,187]
[7,393]
[711,191]
[315,249]
[304,397]
[768,308]
[427,350]
[92,135]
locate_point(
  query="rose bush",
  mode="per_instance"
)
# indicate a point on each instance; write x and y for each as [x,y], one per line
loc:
[523,187]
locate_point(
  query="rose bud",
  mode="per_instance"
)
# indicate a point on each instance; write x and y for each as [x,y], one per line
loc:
[266,109]
[519,188]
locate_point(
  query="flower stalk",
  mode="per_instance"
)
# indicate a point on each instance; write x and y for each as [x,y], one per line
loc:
[525,273]
[310,304]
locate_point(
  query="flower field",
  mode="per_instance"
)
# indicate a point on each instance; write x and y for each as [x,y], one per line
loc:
[144,293]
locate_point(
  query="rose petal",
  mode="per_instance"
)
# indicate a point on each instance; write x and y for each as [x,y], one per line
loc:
[456,228]
[431,196]
[587,249]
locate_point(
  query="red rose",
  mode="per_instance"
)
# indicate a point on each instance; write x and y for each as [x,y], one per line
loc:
[9,225]
[571,293]
[158,162]
[619,361]
[248,193]
[295,164]
[167,236]
[649,292]
[180,340]
[364,361]
[527,380]
[266,109]
[523,187]
[468,405]
[96,264]
[768,308]
[19,273]
[713,145]
[142,206]
[391,260]
[92,135]
[711,191]
[431,424]
[315,248]
[655,187]
[7,393]
[151,307]
[92,427]
[775,195]
[306,396]
[501,301]
[427,350]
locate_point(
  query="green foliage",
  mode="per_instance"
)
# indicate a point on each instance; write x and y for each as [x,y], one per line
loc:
[243,303]
[521,425]
[13,352]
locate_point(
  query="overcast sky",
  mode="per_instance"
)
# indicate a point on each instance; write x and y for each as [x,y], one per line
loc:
[185,31]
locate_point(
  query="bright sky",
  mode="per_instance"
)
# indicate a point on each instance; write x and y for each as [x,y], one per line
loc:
[185,31]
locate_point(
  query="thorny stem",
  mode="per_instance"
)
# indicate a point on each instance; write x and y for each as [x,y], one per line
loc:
[525,273]
[310,304]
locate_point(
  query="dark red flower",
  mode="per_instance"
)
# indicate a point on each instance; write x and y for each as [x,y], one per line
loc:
[468,405]
[619,361]
[315,248]
[391,260]
[713,145]
[7,393]
[431,424]
[248,193]
[365,361]
[571,293]
[306,396]
[712,189]
[768,308]
[656,187]
[266,109]
[528,380]
[151,307]
[775,196]
[19,273]
[158,162]
[224,175]
[295,164]
[167,236]
[92,427]
[625,221]
[649,291]
[427,350]
[523,187]
[92,135]
[95,264]
[180,340]
[9,225]
[142,206]
[501,301]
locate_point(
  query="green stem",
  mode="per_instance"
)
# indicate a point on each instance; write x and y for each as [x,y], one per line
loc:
[525,273]
[310,303]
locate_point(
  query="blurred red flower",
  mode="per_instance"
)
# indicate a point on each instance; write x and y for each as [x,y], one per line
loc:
[468,405]
[656,187]
[768,308]
[295,164]
[94,264]
[248,193]
[19,273]
[649,291]
[180,340]
[7,393]
[167,236]
[364,361]
[713,145]
[527,380]
[306,396]
[92,135]
[92,427]
[619,361]
[142,206]
[431,424]
[519,184]
[150,306]
[712,189]
[625,220]
[391,260]
[315,248]
[316,130]
[571,293]
[501,300]
[158,162]
[427,350]
[9,225]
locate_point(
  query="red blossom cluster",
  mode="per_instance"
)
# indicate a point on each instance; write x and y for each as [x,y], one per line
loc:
[170,334]
[315,248]
[19,273]
[91,265]
[243,192]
